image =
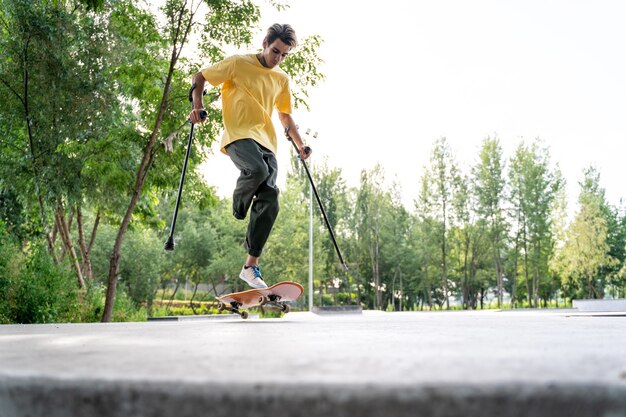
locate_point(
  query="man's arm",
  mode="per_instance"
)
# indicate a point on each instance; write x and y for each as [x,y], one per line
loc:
[287,121]
[197,97]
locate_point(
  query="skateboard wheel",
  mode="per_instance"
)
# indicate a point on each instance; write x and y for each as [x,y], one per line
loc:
[263,300]
[244,315]
[285,308]
[220,307]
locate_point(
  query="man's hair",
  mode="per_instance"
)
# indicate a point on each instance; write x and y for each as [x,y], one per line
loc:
[283,32]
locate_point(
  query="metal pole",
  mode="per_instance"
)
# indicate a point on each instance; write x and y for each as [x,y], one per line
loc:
[308,131]
[319,201]
[311,247]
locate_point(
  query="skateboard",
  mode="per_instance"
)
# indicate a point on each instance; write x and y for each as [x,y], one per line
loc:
[275,296]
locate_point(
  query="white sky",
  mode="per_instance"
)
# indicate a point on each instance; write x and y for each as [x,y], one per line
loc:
[402,73]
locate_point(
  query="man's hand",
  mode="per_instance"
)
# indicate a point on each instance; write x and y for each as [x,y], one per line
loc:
[305,152]
[198,116]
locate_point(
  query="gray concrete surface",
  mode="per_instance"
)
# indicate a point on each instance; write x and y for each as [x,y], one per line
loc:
[510,363]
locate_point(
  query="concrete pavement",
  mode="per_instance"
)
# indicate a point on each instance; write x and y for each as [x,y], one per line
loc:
[485,363]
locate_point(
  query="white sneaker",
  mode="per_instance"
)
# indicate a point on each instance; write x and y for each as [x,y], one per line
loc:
[252,275]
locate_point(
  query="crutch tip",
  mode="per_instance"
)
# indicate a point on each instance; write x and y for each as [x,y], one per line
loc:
[169,244]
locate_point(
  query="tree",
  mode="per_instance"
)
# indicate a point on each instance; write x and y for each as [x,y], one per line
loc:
[467,237]
[428,247]
[533,189]
[559,228]
[369,215]
[396,249]
[618,279]
[489,185]
[441,181]
[586,250]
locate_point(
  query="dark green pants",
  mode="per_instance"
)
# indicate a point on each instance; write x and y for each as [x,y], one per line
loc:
[256,187]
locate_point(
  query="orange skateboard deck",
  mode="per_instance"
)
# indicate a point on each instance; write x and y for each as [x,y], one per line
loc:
[275,296]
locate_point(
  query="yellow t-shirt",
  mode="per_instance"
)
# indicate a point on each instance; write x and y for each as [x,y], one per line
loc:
[249,94]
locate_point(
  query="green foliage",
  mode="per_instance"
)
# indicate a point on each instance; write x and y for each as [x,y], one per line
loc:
[489,183]
[126,310]
[270,313]
[33,289]
[303,66]
[231,22]
[140,276]
[586,250]
[534,193]
[10,258]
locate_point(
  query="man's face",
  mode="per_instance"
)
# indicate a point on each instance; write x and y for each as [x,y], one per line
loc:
[274,53]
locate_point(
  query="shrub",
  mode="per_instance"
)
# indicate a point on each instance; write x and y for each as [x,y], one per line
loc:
[126,310]
[10,259]
[41,291]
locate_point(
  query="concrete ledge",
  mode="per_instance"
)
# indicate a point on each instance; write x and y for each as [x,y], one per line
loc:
[338,310]
[35,397]
[618,305]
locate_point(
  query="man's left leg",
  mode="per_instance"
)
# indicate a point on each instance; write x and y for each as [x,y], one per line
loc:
[263,213]
[264,210]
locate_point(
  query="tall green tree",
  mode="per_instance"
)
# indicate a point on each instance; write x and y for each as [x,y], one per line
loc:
[586,251]
[467,241]
[534,186]
[397,252]
[370,205]
[428,247]
[489,185]
[559,219]
[441,181]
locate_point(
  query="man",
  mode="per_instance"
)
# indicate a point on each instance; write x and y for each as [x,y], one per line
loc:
[252,85]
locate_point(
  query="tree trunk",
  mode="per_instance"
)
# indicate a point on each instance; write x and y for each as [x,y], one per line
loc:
[466,273]
[444,274]
[195,290]
[379,295]
[86,266]
[515,261]
[536,273]
[67,242]
[52,238]
[401,292]
[393,290]
[358,294]
[92,239]
[171,300]
[498,268]
[528,290]
[499,278]
[444,256]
